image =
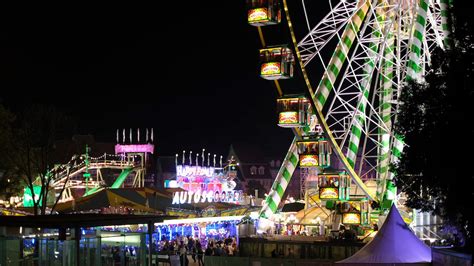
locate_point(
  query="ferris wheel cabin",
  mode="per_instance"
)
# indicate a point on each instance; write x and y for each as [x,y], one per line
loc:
[314,152]
[276,63]
[354,212]
[263,12]
[293,111]
[334,185]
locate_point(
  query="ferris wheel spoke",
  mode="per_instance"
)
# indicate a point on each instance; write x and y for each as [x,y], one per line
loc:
[343,92]
[323,32]
[445,21]
[434,32]
[366,51]
[414,66]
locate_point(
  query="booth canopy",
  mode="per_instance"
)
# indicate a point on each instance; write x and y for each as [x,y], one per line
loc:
[394,244]
[310,215]
[140,199]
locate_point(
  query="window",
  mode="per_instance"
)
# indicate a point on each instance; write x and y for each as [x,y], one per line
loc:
[261,170]
[253,170]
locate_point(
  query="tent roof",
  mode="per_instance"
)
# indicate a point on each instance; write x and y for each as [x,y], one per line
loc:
[143,199]
[307,216]
[394,243]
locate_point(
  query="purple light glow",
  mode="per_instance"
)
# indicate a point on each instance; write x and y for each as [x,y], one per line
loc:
[149,148]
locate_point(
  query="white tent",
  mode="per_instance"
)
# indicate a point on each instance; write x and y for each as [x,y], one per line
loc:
[394,244]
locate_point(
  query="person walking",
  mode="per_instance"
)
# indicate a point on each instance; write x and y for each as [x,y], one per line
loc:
[183,257]
[200,253]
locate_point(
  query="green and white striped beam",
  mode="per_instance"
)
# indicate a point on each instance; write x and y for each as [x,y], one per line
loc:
[363,5]
[414,68]
[397,150]
[386,95]
[446,22]
[340,55]
[360,117]
[283,178]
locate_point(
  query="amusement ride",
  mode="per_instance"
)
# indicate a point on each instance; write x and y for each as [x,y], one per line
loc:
[84,175]
[346,117]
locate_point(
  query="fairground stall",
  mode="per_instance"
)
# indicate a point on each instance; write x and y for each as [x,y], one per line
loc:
[207,199]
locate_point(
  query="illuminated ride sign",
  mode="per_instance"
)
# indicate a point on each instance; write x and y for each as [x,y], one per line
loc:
[308,160]
[269,69]
[192,171]
[199,196]
[146,148]
[351,218]
[328,193]
[287,118]
[258,15]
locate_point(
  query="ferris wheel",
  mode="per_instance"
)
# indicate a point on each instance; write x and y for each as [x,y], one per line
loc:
[376,47]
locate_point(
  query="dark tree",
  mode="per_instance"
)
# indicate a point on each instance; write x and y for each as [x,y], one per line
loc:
[27,150]
[434,170]
[9,185]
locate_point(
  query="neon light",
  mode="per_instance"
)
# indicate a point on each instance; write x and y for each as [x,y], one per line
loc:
[190,171]
[272,68]
[148,148]
[258,15]
[328,193]
[351,218]
[290,117]
[201,220]
[308,160]
[182,197]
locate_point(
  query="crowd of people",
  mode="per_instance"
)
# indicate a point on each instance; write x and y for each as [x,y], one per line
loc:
[186,246]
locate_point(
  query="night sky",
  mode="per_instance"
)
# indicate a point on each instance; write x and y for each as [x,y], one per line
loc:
[188,69]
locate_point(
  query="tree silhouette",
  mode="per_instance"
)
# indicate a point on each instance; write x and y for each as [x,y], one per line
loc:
[434,170]
[27,142]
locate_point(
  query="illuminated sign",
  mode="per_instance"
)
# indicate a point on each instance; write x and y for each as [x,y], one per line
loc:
[328,193]
[351,218]
[194,178]
[272,68]
[147,148]
[190,171]
[199,196]
[204,184]
[290,117]
[308,160]
[257,15]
